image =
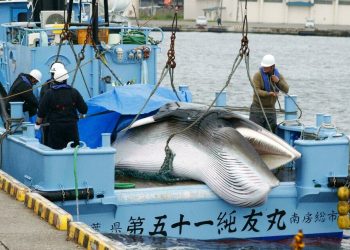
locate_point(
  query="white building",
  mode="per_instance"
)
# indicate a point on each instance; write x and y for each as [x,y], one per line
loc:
[333,12]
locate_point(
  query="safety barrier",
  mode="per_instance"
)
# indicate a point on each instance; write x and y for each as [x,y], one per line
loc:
[13,187]
[79,232]
[47,210]
[90,239]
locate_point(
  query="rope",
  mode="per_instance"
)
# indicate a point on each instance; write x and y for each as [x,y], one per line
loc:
[79,59]
[8,131]
[66,34]
[2,137]
[296,104]
[243,52]
[137,20]
[169,67]
[256,92]
[4,114]
[75,159]
[275,88]
[156,176]
[100,56]
[171,64]
[296,122]
[169,155]
[163,74]
[149,19]
[41,85]
[326,126]
[124,185]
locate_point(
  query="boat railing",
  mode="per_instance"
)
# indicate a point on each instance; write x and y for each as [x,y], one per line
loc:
[30,35]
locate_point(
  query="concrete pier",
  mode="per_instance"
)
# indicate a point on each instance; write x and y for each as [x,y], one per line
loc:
[21,229]
[257,28]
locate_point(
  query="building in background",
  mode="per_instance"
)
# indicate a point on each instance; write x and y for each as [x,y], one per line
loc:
[163,9]
[331,12]
[133,9]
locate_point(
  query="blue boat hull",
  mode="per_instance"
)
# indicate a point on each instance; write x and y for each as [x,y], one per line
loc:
[195,212]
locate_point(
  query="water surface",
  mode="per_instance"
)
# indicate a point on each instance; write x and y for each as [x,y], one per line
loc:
[316,69]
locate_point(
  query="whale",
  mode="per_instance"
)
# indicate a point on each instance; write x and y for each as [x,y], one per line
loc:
[224,150]
[274,151]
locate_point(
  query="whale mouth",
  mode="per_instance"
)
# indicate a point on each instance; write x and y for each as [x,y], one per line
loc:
[273,151]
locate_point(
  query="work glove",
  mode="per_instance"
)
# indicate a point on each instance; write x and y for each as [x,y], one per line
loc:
[37,126]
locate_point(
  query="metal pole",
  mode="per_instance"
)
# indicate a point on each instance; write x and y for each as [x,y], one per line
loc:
[70,7]
[95,21]
[106,12]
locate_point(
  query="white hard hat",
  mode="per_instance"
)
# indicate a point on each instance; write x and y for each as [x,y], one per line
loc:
[36,74]
[268,60]
[60,75]
[55,66]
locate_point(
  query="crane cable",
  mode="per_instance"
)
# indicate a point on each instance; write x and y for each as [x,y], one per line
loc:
[244,51]
[167,165]
[171,64]
[168,68]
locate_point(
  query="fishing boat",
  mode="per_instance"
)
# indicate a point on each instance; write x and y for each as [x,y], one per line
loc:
[115,70]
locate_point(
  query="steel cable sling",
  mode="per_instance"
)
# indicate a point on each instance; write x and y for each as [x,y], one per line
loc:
[66,34]
[169,67]
[167,165]
[246,53]
[100,55]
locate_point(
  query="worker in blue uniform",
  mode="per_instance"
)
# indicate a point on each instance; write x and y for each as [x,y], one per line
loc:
[22,91]
[45,87]
[60,106]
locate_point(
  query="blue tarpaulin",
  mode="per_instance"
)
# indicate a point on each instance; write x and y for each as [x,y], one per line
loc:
[114,110]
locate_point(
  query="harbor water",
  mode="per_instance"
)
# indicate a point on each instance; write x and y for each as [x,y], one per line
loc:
[316,69]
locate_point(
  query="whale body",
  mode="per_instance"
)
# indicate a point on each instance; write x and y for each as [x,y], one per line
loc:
[230,154]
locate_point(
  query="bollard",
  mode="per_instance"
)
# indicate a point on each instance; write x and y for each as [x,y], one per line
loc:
[30,130]
[220,99]
[186,93]
[290,107]
[106,139]
[16,113]
[327,119]
[16,110]
[24,128]
[319,119]
[183,88]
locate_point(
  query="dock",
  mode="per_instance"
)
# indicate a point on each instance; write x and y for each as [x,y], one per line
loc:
[256,28]
[30,221]
[21,228]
